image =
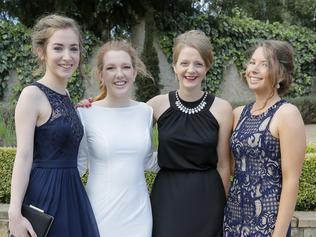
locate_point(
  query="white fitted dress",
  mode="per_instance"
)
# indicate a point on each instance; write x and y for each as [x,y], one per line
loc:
[116,149]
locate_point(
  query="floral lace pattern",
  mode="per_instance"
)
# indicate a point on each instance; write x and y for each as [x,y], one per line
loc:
[253,199]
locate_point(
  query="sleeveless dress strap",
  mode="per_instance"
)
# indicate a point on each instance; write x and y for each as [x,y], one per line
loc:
[271,111]
[47,92]
[209,100]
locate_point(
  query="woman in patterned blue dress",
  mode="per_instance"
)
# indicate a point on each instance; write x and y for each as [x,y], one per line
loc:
[268,145]
[48,132]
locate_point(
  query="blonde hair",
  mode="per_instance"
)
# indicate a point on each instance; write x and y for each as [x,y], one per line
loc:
[280,57]
[137,63]
[45,27]
[197,40]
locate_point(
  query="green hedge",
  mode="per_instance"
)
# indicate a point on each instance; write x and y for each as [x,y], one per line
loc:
[307,190]
[307,107]
[6,160]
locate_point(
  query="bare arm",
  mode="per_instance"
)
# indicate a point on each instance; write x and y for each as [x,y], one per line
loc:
[159,104]
[293,144]
[224,116]
[26,115]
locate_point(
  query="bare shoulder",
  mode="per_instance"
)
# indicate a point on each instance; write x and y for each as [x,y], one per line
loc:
[237,111]
[288,113]
[222,111]
[221,105]
[31,94]
[157,100]
[159,104]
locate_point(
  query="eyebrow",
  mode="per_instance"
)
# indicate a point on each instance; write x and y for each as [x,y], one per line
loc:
[264,60]
[59,44]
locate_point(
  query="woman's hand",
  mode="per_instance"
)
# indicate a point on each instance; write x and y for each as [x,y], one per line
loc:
[19,226]
[85,103]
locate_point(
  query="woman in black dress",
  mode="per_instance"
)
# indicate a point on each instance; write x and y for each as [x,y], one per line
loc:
[194,127]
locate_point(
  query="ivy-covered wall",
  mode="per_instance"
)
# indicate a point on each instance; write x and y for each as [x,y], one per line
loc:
[16,55]
[232,36]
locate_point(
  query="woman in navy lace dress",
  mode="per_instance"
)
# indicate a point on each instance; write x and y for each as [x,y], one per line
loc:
[48,132]
[268,144]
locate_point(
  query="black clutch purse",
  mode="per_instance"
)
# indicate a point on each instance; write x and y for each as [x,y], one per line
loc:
[41,222]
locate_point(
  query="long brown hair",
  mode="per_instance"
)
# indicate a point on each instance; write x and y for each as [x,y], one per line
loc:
[280,57]
[45,27]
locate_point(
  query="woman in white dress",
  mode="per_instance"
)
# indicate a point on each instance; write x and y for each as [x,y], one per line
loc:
[116,147]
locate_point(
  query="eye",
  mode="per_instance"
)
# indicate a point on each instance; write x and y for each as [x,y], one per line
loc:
[199,64]
[127,67]
[264,65]
[57,48]
[74,49]
[251,62]
[109,68]
[184,63]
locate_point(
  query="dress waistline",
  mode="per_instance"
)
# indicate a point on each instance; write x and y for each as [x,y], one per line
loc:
[55,164]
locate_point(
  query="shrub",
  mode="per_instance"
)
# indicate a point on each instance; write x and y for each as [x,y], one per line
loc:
[7,156]
[307,190]
[306,199]
[311,148]
[307,107]
[7,130]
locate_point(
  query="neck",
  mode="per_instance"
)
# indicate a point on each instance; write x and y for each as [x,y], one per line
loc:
[116,102]
[57,85]
[190,94]
[264,101]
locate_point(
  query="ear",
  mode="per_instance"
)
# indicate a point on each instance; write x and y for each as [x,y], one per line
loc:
[174,68]
[99,76]
[41,54]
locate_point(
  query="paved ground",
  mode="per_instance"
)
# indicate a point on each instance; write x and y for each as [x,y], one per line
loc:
[310,132]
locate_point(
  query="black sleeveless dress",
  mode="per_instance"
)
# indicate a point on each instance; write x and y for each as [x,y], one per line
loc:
[55,185]
[188,196]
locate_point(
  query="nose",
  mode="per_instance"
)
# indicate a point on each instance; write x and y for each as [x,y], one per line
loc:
[191,68]
[254,68]
[119,72]
[66,55]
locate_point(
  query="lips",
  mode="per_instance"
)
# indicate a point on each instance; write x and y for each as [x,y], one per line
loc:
[255,79]
[66,66]
[120,83]
[191,78]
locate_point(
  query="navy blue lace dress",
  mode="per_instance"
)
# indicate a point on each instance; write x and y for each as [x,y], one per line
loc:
[55,185]
[253,199]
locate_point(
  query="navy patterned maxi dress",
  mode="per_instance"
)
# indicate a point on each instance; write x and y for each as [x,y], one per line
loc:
[254,196]
[55,185]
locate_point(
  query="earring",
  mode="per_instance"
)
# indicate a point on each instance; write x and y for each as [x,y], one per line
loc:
[278,85]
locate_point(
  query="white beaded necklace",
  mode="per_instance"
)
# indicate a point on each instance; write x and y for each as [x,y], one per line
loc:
[187,110]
